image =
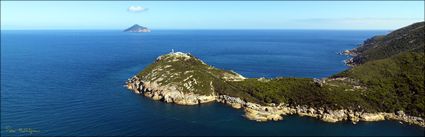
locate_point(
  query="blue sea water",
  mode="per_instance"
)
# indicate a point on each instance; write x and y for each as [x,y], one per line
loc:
[71,82]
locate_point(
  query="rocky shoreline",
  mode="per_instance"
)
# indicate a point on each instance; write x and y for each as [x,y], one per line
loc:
[168,94]
[350,61]
[262,113]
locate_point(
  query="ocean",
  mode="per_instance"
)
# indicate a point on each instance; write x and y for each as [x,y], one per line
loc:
[70,82]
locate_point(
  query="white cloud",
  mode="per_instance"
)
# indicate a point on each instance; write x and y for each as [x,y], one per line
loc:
[137,9]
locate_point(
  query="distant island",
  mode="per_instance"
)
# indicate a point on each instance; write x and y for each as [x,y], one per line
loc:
[386,82]
[137,28]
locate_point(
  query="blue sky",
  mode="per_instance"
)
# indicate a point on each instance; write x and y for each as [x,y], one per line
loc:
[357,15]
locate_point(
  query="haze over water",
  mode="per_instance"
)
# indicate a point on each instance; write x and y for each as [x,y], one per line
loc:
[71,82]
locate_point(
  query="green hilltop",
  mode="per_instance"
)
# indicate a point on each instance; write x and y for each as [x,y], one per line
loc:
[187,73]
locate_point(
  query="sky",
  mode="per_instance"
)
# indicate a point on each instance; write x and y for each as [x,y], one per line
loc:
[333,15]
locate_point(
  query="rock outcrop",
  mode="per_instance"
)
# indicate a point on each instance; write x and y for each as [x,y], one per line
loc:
[167,93]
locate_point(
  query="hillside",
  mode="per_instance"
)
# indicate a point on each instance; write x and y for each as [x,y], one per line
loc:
[410,38]
[395,83]
[392,68]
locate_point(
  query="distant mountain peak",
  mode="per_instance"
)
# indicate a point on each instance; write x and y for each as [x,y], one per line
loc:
[137,28]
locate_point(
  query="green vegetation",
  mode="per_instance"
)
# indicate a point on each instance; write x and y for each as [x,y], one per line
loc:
[186,73]
[302,91]
[395,83]
[407,39]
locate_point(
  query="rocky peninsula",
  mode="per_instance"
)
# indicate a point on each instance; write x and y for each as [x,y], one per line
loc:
[351,95]
[152,85]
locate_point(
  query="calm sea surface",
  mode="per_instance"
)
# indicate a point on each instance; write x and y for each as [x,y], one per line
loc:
[71,82]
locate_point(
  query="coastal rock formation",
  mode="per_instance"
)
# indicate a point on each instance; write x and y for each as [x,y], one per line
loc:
[167,93]
[137,28]
[254,111]
[262,113]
